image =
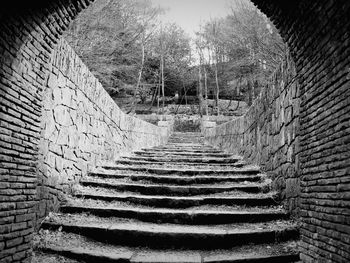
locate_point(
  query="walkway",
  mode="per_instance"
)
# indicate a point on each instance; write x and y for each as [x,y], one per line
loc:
[181,202]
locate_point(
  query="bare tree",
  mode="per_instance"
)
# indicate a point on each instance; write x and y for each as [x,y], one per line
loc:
[213,35]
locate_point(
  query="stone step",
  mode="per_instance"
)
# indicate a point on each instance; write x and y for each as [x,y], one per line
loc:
[185,136]
[152,235]
[173,190]
[185,146]
[189,143]
[195,135]
[182,201]
[181,180]
[181,153]
[178,216]
[197,141]
[180,159]
[183,171]
[82,248]
[183,149]
[205,165]
[179,202]
[188,140]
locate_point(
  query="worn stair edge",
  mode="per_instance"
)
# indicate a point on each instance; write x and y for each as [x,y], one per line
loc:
[87,255]
[180,150]
[175,170]
[182,202]
[171,239]
[176,148]
[186,145]
[172,190]
[159,153]
[178,216]
[165,162]
[93,256]
[289,258]
[209,160]
[181,180]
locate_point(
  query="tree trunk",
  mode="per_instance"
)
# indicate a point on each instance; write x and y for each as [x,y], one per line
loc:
[217,88]
[139,78]
[162,65]
[182,96]
[162,68]
[206,91]
[154,96]
[158,94]
[200,89]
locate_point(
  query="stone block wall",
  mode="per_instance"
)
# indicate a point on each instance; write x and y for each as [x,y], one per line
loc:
[29,34]
[82,127]
[267,134]
[317,33]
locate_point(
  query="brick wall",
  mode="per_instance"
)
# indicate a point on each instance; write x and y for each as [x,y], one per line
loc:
[29,33]
[317,33]
[82,127]
[27,36]
[268,133]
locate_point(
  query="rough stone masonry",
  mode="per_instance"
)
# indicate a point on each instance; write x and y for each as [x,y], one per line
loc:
[82,127]
[268,134]
[56,121]
[317,33]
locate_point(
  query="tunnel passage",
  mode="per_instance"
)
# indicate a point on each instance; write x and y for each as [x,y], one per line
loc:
[317,35]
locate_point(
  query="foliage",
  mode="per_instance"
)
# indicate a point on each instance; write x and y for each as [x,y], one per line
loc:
[124,45]
[109,36]
[172,42]
[243,49]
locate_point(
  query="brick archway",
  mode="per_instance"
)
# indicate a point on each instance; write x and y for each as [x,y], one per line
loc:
[317,34]
[28,35]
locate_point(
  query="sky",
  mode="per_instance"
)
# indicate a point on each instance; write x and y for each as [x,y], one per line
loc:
[189,13]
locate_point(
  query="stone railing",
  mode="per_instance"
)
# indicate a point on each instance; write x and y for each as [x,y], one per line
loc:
[267,134]
[82,127]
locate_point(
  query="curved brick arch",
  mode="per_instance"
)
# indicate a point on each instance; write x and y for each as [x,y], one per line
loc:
[317,34]
[28,33]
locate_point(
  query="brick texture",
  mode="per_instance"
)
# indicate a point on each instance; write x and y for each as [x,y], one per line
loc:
[317,33]
[34,170]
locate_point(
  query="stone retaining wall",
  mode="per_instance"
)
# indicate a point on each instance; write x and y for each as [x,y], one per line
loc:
[268,133]
[81,128]
[317,35]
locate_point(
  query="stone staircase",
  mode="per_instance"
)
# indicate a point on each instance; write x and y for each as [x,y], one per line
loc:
[181,202]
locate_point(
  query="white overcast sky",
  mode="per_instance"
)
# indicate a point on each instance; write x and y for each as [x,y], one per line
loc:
[189,13]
